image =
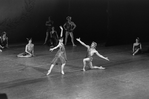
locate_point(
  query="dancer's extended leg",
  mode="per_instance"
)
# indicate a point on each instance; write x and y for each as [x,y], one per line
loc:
[49,71]
[95,67]
[52,65]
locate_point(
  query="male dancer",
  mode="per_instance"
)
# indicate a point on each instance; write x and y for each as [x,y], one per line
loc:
[69,27]
[61,54]
[91,50]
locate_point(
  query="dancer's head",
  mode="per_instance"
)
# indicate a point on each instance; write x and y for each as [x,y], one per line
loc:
[137,40]
[4,33]
[61,39]
[69,18]
[53,28]
[29,40]
[93,45]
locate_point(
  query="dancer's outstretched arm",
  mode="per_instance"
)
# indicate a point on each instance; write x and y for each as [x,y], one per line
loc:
[78,39]
[51,49]
[61,35]
[106,58]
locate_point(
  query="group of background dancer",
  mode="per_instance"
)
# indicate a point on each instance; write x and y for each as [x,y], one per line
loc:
[56,42]
[52,36]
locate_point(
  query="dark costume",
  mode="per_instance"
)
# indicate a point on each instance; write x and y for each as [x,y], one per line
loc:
[137,47]
[4,42]
[69,27]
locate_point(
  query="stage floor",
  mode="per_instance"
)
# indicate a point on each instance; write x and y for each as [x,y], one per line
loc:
[125,76]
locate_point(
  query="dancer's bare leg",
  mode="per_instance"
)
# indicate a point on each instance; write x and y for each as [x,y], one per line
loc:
[46,38]
[20,55]
[91,64]
[62,68]
[95,67]
[136,52]
[49,71]
[66,37]
[84,63]
[72,39]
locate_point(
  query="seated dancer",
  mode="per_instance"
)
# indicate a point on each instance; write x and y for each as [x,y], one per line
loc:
[137,47]
[90,52]
[51,37]
[29,50]
[69,27]
[3,41]
[61,54]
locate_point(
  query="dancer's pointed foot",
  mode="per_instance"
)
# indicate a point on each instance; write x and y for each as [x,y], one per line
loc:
[48,73]
[62,72]
[83,69]
[101,67]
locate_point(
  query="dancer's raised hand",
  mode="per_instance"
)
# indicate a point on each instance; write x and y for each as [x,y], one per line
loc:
[78,39]
[61,27]
[107,58]
[51,49]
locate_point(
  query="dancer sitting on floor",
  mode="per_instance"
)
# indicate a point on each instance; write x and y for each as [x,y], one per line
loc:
[137,47]
[3,41]
[61,54]
[29,50]
[90,52]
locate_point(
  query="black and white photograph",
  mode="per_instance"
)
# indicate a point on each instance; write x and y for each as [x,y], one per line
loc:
[74,49]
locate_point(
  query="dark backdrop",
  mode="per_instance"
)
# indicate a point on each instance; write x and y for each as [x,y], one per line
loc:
[111,21]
